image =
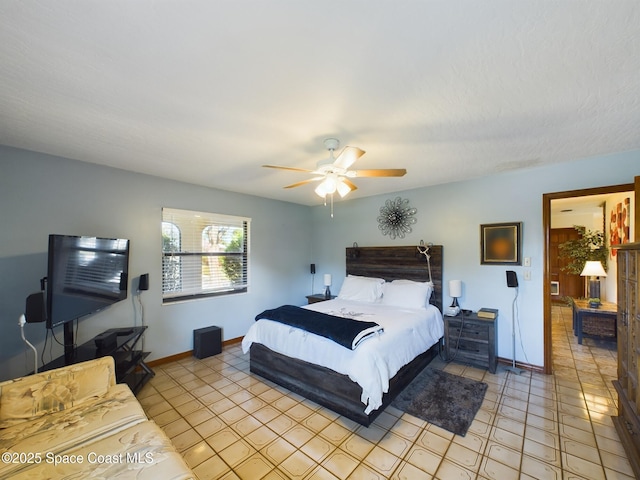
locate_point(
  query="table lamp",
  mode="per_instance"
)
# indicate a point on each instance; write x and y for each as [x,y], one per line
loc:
[327,284]
[593,269]
[455,292]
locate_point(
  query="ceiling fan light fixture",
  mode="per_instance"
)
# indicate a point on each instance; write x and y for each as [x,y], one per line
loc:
[343,188]
[320,190]
[330,183]
[335,174]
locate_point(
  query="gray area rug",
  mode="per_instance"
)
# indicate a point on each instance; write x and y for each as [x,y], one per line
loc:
[446,400]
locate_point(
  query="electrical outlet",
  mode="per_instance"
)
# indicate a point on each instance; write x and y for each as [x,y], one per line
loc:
[527,261]
[527,274]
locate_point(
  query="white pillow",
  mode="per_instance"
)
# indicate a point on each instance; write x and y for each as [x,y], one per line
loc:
[361,289]
[377,280]
[428,285]
[407,293]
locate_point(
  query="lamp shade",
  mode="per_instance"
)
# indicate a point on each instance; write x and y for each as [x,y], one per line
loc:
[593,269]
[455,288]
[327,279]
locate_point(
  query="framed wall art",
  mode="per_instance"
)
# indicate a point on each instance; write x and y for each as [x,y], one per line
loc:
[396,218]
[501,243]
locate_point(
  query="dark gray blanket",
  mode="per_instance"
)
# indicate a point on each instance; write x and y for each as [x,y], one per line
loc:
[344,331]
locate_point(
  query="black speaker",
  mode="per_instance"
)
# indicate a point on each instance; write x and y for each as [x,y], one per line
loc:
[106,341]
[35,310]
[143,283]
[313,269]
[512,279]
[207,341]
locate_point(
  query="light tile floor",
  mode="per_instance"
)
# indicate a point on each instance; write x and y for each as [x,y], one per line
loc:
[230,424]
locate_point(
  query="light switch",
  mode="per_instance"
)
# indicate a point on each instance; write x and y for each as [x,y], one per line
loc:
[527,274]
[527,261]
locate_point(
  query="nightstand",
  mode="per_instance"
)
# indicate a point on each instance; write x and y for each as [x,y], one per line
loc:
[318,297]
[472,340]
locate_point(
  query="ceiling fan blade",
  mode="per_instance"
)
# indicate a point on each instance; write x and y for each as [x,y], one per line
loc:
[349,184]
[303,182]
[348,156]
[289,168]
[381,172]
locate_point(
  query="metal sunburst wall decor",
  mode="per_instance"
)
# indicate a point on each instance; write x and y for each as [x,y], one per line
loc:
[396,218]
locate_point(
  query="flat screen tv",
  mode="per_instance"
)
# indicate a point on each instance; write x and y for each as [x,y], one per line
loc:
[85,275]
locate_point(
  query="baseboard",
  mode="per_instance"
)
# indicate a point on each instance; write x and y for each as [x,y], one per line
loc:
[169,359]
[523,366]
[183,355]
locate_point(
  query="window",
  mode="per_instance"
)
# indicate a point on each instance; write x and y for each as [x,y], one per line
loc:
[203,254]
[170,264]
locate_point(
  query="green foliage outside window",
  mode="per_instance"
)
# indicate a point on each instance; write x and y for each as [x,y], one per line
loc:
[232,266]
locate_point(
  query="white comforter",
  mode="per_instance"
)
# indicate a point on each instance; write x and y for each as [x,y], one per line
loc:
[407,333]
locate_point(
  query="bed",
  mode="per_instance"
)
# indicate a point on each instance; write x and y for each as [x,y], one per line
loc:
[332,387]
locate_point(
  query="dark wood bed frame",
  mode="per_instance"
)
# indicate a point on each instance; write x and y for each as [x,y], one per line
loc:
[336,391]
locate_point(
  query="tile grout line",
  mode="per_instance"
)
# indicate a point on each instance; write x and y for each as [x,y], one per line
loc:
[579,386]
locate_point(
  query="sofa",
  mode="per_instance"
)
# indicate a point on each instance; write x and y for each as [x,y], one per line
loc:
[76,422]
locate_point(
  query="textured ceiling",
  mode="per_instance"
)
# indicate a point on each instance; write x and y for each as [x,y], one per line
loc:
[207,91]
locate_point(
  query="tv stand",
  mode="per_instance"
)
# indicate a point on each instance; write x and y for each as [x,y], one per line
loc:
[130,366]
[69,343]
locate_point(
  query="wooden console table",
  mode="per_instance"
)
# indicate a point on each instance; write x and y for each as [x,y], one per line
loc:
[599,321]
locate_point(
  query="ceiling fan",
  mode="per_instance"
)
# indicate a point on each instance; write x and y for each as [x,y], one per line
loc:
[334,174]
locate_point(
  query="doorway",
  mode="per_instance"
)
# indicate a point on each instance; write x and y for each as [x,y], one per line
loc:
[547,267]
[563,284]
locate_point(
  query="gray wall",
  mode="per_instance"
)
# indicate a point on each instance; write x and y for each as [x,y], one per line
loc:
[450,215]
[41,194]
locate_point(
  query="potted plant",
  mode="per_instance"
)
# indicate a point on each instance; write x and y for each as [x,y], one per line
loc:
[589,246]
[594,302]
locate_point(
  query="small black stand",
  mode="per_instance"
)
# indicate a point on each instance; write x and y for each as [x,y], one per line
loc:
[130,366]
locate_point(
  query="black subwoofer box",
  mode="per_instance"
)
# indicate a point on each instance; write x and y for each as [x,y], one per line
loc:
[207,342]
[106,341]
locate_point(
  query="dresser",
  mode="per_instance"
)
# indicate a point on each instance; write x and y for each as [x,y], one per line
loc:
[471,339]
[627,422]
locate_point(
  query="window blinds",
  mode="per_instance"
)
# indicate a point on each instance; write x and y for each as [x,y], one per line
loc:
[203,254]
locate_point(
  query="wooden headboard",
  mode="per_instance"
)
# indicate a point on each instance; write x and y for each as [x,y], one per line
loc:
[395,263]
